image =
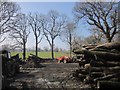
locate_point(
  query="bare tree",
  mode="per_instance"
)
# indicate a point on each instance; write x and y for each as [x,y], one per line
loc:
[20,31]
[52,26]
[103,15]
[36,26]
[77,42]
[8,11]
[68,35]
[2,38]
[97,35]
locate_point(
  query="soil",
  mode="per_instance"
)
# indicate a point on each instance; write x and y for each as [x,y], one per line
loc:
[51,76]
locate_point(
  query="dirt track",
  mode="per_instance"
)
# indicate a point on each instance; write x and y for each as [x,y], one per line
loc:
[52,75]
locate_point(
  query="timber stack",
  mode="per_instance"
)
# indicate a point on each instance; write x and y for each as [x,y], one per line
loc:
[99,65]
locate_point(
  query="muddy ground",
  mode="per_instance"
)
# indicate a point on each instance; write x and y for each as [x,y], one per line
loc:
[50,76]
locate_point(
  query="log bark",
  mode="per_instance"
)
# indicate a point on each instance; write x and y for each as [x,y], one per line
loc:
[112,64]
[108,77]
[106,50]
[97,74]
[101,69]
[96,69]
[94,63]
[110,46]
[79,51]
[114,69]
[107,56]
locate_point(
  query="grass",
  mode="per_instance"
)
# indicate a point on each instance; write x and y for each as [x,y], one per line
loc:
[41,54]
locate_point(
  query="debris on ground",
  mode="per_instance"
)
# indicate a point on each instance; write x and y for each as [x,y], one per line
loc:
[53,76]
[33,62]
[99,65]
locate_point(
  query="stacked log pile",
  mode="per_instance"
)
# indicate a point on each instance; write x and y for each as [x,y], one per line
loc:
[100,65]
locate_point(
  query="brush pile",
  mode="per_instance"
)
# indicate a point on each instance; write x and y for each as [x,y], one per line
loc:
[100,65]
[33,62]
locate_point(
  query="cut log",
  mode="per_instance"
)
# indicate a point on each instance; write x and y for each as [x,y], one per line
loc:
[112,64]
[97,74]
[97,69]
[102,55]
[94,63]
[106,50]
[110,46]
[78,51]
[105,85]
[101,69]
[114,69]
[88,47]
[107,77]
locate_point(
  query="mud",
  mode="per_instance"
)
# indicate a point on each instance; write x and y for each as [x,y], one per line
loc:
[51,76]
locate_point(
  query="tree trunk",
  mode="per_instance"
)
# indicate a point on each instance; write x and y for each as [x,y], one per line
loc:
[24,50]
[109,39]
[36,51]
[70,45]
[52,51]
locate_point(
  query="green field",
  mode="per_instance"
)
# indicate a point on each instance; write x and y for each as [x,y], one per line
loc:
[41,54]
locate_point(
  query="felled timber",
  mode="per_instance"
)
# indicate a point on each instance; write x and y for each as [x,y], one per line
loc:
[104,63]
[78,51]
[96,69]
[95,63]
[110,46]
[89,46]
[114,69]
[105,85]
[97,74]
[105,50]
[100,63]
[107,56]
[108,77]
[112,63]
[100,69]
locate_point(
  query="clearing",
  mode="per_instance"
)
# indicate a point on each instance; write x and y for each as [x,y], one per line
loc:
[42,54]
[53,75]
